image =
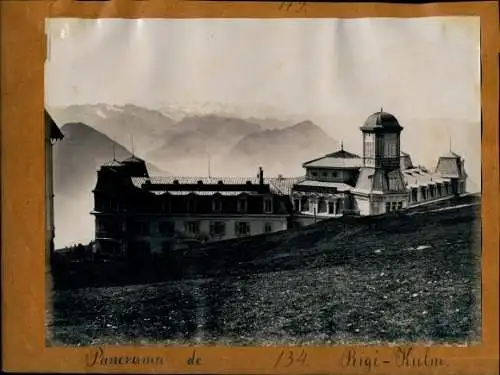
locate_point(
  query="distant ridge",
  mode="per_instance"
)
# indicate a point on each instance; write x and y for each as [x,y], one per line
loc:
[281,151]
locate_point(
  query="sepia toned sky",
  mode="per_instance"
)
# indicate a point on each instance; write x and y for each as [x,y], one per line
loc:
[320,69]
[300,66]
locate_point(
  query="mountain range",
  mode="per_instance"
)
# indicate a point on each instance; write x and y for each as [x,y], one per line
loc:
[187,146]
[140,129]
[280,151]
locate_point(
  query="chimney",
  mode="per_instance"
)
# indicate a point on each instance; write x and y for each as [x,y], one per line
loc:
[261,176]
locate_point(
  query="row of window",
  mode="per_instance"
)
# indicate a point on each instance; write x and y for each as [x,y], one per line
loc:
[218,228]
[393,206]
[191,205]
[325,174]
[430,192]
[389,145]
[331,208]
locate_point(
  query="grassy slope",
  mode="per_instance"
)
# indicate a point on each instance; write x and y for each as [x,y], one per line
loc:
[353,280]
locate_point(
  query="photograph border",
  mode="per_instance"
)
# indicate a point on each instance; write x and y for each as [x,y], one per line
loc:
[24,273]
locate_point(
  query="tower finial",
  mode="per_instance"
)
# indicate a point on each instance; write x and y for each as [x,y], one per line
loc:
[114,151]
[379,117]
[132,144]
[341,145]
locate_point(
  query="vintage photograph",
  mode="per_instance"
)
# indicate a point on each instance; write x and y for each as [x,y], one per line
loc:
[259,182]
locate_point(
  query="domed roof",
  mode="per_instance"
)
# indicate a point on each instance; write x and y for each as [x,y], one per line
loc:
[381,120]
[135,167]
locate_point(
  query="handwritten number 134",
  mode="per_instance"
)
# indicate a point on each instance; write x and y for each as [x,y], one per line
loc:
[289,357]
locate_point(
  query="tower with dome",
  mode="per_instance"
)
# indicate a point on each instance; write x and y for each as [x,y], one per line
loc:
[382,180]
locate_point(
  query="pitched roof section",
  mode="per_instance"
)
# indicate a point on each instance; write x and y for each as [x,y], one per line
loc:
[54,132]
[405,161]
[450,167]
[339,186]
[343,154]
[278,185]
[451,155]
[339,160]
[418,177]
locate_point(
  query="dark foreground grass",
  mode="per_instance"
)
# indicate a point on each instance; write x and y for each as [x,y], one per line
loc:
[407,278]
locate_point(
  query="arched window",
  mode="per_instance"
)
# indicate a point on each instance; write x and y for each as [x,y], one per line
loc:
[423,191]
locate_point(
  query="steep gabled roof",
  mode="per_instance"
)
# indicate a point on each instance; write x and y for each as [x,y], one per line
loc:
[343,154]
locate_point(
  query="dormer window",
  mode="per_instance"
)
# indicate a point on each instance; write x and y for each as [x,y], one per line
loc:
[242,204]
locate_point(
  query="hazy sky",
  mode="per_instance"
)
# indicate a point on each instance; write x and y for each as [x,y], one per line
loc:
[428,66]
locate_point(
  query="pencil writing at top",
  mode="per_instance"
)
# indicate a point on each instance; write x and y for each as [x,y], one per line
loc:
[288,5]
